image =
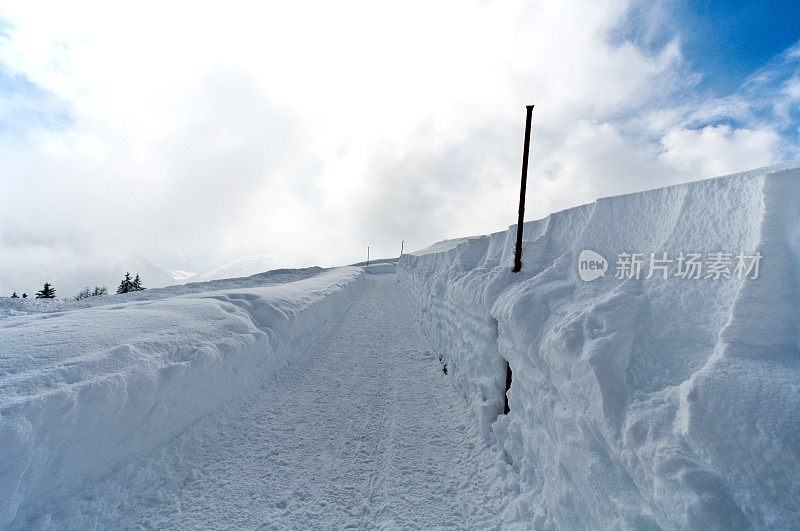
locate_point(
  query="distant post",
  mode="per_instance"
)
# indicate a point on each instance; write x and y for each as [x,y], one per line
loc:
[525,151]
[402,244]
[367,254]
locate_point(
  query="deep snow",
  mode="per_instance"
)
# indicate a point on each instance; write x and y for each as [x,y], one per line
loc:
[636,402]
[663,402]
[83,391]
[361,428]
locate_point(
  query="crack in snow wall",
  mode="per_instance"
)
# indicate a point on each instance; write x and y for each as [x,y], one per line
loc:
[82,392]
[663,402]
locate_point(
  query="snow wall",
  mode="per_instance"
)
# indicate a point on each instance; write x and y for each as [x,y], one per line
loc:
[83,391]
[635,402]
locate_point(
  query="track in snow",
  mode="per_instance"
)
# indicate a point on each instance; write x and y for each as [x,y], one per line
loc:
[360,429]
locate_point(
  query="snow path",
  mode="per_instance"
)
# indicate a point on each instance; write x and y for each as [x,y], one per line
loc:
[360,429]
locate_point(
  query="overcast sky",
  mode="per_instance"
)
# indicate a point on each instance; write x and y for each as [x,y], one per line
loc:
[184,136]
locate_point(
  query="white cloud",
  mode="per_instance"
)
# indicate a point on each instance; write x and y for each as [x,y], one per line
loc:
[719,150]
[308,130]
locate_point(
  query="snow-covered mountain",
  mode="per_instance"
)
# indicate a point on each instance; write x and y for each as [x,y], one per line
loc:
[243,266]
[652,340]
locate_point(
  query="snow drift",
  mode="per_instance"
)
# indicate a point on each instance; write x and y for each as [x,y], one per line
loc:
[84,390]
[671,402]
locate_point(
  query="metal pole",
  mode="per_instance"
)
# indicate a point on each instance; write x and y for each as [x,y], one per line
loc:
[367,254]
[402,243]
[525,151]
[506,409]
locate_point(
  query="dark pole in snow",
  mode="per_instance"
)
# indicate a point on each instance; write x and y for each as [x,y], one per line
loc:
[367,254]
[402,243]
[506,409]
[525,151]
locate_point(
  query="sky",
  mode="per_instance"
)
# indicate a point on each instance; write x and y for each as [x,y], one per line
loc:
[181,136]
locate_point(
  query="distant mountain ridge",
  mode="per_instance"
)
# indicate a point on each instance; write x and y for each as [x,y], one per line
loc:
[243,266]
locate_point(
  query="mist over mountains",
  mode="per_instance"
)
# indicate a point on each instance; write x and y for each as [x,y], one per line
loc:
[70,280]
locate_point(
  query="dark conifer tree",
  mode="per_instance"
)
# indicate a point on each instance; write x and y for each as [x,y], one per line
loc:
[137,284]
[99,291]
[126,285]
[24,295]
[47,292]
[14,295]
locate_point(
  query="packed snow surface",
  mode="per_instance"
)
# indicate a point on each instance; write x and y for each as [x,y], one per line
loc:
[663,402]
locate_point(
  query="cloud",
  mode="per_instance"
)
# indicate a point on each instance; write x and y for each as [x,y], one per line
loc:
[309,130]
[719,150]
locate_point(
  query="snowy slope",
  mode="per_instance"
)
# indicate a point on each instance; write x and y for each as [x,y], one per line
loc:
[360,429]
[83,390]
[670,402]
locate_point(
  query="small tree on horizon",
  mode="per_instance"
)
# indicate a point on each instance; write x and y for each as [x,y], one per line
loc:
[47,292]
[126,285]
[14,295]
[137,284]
[24,295]
[82,294]
[99,291]
[87,292]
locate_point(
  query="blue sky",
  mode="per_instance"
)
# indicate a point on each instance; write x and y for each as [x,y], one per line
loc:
[724,41]
[132,136]
[730,40]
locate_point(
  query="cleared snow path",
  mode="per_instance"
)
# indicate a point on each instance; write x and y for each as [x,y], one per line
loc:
[360,429]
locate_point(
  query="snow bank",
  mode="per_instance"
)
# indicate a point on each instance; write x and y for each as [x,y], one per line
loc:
[83,391]
[670,402]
